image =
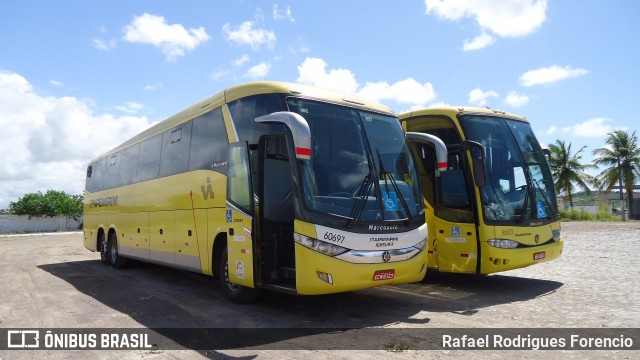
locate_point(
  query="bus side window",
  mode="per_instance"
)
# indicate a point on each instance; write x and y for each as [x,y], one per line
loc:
[209,143]
[128,165]
[149,159]
[238,186]
[175,150]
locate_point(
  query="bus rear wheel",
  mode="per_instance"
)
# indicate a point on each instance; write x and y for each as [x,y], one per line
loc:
[117,261]
[103,248]
[235,293]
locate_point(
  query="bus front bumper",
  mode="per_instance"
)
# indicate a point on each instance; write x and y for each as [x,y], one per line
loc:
[317,273]
[497,260]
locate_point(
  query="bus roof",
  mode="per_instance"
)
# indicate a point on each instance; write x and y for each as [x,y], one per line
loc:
[247,89]
[454,111]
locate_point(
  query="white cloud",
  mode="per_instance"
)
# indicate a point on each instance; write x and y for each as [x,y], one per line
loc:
[173,40]
[153,87]
[258,71]
[481,41]
[245,34]
[130,107]
[551,130]
[550,74]
[408,91]
[504,18]
[104,45]
[480,98]
[56,83]
[51,139]
[313,71]
[286,15]
[596,128]
[516,100]
[241,60]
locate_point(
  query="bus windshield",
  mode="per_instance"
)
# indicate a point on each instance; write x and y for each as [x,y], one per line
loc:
[360,167]
[519,183]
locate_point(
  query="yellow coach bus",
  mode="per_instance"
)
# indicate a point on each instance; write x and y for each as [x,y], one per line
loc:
[494,209]
[265,185]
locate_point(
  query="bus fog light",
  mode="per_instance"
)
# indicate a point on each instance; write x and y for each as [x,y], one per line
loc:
[503,243]
[325,277]
[319,246]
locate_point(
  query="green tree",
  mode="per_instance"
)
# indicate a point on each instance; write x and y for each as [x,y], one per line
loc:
[51,203]
[621,155]
[568,172]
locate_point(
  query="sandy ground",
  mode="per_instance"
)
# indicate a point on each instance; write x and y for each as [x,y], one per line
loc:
[51,281]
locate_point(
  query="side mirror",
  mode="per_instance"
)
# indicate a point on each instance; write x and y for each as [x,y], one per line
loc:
[547,153]
[299,129]
[477,161]
[441,148]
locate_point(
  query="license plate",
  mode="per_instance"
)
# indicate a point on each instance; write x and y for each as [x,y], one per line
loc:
[538,255]
[384,274]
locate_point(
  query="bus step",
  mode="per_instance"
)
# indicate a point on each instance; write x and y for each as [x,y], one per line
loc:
[288,272]
[285,288]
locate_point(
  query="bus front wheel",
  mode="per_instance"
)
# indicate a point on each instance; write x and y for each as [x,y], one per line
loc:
[236,293]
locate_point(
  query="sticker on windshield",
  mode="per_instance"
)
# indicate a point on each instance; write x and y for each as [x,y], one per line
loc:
[542,213]
[390,200]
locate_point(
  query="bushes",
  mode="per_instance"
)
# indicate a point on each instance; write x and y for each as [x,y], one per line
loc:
[581,215]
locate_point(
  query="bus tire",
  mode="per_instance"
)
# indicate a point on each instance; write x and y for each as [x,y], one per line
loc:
[235,293]
[117,261]
[104,249]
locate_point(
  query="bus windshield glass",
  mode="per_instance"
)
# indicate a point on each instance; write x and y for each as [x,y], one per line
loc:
[519,183]
[360,167]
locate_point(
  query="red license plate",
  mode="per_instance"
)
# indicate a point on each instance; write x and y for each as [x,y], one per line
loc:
[538,255]
[384,274]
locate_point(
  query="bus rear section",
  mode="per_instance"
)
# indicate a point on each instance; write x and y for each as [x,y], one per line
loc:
[494,209]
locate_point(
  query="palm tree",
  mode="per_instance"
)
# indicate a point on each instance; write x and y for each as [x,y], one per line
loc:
[622,156]
[567,170]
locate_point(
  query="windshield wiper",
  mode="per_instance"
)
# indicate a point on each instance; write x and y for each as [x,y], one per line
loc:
[387,175]
[537,187]
[362,195]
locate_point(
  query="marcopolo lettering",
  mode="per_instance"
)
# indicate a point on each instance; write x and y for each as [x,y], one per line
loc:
[383,227]
[104,201]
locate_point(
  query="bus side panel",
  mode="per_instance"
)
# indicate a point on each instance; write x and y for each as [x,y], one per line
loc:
[216,225]
[187,238]
[240,248]
[135,242]
[161,237]
[90,230]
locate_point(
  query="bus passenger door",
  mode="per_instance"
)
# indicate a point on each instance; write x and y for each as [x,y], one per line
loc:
[239,216]
[456,238]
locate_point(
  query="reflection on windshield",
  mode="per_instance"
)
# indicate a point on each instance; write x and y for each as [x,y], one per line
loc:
[519,183]
[343,176]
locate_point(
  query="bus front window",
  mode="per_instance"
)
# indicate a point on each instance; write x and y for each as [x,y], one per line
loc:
[360,167]
[519,185]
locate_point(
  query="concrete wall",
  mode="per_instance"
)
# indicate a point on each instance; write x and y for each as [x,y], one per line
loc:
[24,223]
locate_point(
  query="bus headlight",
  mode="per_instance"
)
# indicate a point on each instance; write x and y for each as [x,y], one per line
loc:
[420,246]
[503,244]
[318,245]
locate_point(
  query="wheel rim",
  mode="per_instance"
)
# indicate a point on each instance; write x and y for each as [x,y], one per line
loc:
[103,248]
[114,251]
[230,285]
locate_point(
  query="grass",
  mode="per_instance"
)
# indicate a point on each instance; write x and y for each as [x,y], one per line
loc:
[581,215]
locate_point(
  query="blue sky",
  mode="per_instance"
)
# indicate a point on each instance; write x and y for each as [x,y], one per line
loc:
[79,77]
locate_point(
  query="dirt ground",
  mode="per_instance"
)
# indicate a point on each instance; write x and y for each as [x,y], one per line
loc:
[51,281]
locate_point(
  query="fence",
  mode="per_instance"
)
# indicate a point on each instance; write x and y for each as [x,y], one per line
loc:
[25,223]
